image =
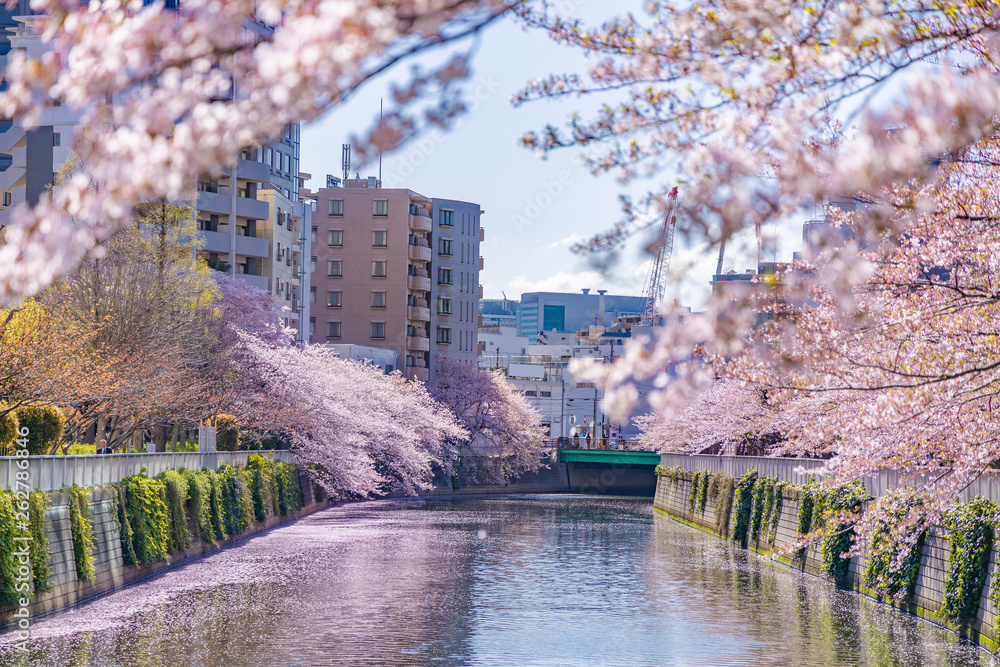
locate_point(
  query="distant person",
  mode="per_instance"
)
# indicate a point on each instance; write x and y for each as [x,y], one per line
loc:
[103,448]
[576,441]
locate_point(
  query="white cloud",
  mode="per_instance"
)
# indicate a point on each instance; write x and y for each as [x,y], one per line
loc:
[567,240]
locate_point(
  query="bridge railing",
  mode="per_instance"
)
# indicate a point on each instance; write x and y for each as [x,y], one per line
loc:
[48,473]
[610,444]
[798,471]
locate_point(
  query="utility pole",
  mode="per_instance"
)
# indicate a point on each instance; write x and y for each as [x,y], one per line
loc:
[562,403]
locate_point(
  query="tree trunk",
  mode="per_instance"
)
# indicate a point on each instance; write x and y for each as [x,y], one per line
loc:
[173,437]
[160,437]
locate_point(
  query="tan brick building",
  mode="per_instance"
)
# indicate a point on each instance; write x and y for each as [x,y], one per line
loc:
[375,279]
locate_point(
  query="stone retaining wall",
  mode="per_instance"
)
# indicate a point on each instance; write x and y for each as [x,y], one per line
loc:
[110,573]
[672,499]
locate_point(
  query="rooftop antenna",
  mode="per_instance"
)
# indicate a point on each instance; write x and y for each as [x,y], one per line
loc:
[346,162]
[380,148]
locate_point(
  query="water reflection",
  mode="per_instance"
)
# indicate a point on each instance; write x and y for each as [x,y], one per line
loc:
[542,580]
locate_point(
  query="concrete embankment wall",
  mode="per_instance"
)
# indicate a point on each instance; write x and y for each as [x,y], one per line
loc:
[673,499]
[110,573]
[555,477]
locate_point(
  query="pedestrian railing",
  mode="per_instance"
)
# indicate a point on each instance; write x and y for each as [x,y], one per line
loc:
[798,471]
[48,473]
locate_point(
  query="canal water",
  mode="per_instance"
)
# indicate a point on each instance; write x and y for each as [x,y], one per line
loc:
[510,581]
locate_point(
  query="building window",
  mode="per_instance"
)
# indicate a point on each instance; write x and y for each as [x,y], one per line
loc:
[334,268]
[335,238]
[546,394]
[333,329]
[287,163]
[56,139]
[378,329]
[337,207]
[312,327]
[446,218]
[444,335]
[380,239]
[445,247]
[444,277]
[312,265]
[553,317]
[334,299]
[380,207]
[312,294]
[444,306]
[378,299]
[378,269]
[267,156]
[531,392]
[312,236]
[7,198]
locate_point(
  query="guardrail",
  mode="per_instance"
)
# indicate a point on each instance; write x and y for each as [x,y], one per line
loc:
[49,473]
[797,471]
[609,444]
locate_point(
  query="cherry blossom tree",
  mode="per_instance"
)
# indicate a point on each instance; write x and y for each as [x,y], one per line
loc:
[165,95]
[505,435]
[729,417]
[759,112]
[910,355]
[360,432]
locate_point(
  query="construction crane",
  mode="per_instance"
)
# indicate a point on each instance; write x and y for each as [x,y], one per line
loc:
[663,247]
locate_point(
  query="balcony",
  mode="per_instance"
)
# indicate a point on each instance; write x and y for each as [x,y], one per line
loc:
[418,313]
[480,291]
[296,308]
[296,247]
[253,171]
[420,283]
[260,282]
[252,246]
[214,241]
[417,373]
[480,262]
[418,343]
[214,202]
[420,253]
[482,234]
[252,208]
[420,222]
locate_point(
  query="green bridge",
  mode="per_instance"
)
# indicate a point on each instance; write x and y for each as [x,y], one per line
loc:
[608,456]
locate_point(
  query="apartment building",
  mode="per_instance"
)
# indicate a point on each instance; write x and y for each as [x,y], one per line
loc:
[455,288]
[394,269]
[251,219]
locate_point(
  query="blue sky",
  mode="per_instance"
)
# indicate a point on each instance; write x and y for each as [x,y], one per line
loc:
[535,208]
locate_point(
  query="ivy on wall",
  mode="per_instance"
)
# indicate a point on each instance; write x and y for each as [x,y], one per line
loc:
[744,505]
[843,505]
[125,534]
[147,515]
[695,487]
[971,528]
[703,492]
[11,528]
[38,501]
[175,488]
[720,491]
[673,473]
[895,549]
[82,530]
[762,497]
